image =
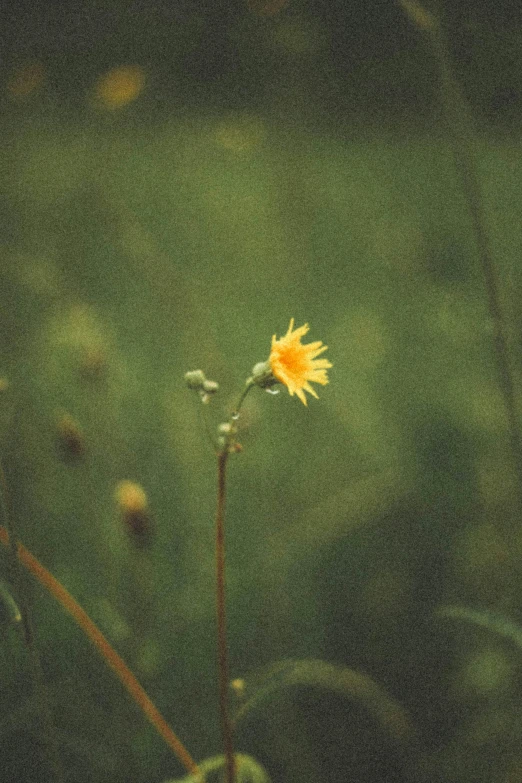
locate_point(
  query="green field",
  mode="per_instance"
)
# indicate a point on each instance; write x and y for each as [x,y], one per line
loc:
[133,251]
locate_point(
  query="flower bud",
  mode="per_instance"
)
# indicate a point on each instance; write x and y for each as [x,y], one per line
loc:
[227,432]
[195,379]
[262,375]
[210,387]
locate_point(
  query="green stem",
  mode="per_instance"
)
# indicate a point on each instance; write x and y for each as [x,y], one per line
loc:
[461,131]
[457,121]
[44,708]
[117,664]
[223,676]
[249,384]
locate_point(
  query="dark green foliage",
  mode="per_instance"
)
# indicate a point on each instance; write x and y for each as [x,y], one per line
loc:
[9,611]
[248,770]
[493,622]
[390,717]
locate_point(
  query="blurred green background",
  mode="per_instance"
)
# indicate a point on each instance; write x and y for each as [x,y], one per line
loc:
[178,180]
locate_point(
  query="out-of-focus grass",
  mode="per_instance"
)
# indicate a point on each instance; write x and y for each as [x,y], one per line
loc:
[132,253]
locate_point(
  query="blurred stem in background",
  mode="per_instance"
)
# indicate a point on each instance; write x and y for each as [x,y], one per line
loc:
[460,128]
[81,617]
[48,728]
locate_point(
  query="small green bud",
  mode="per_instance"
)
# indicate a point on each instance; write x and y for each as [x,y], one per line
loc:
[195,379]
[227,432]
[210,387]
[263,376]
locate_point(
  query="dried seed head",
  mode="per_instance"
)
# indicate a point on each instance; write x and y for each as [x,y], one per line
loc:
[70,438]
[93,366]
[132,503]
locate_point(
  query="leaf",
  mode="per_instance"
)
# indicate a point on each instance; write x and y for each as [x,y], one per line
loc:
[248,770]
[355,686]
[484,618]
[9,611]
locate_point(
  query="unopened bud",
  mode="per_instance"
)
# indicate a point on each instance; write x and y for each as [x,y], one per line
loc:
[195,379]
[227,432]
[263,376]
[210,387]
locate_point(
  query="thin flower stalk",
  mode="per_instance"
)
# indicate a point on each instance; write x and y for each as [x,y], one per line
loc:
[295,365]
[120,668]
[229,446]
[223,667]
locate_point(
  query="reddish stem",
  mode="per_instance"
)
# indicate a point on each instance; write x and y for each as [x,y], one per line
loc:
[223,677]
[110,655]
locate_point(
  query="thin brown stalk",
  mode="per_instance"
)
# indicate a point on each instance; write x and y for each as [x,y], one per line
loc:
[110,655]
[223,677]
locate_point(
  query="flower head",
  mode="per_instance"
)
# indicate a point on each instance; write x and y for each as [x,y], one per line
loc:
[295,364]
[130,497]
[133,505]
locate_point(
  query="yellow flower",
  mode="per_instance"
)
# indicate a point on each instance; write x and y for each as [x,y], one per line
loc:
[295,364]
[130,497]
[119,86]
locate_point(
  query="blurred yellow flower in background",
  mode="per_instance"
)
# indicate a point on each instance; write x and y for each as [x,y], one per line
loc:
[295,364]
[266,7]
[26,80]
[240,132]
[133,506]
[130,497]
[119,86]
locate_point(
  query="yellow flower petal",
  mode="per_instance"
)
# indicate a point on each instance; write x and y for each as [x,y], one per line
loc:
[294,364]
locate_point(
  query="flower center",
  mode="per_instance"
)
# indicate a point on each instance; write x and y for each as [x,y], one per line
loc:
[293,361]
